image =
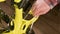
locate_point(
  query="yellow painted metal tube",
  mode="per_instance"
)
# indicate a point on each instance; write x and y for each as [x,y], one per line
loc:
[19,22]
[2,0]
[17,1]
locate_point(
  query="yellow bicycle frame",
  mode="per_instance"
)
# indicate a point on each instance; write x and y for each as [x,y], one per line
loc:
[19,22]
[2,0]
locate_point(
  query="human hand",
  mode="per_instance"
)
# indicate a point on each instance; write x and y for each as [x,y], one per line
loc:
[40,7]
